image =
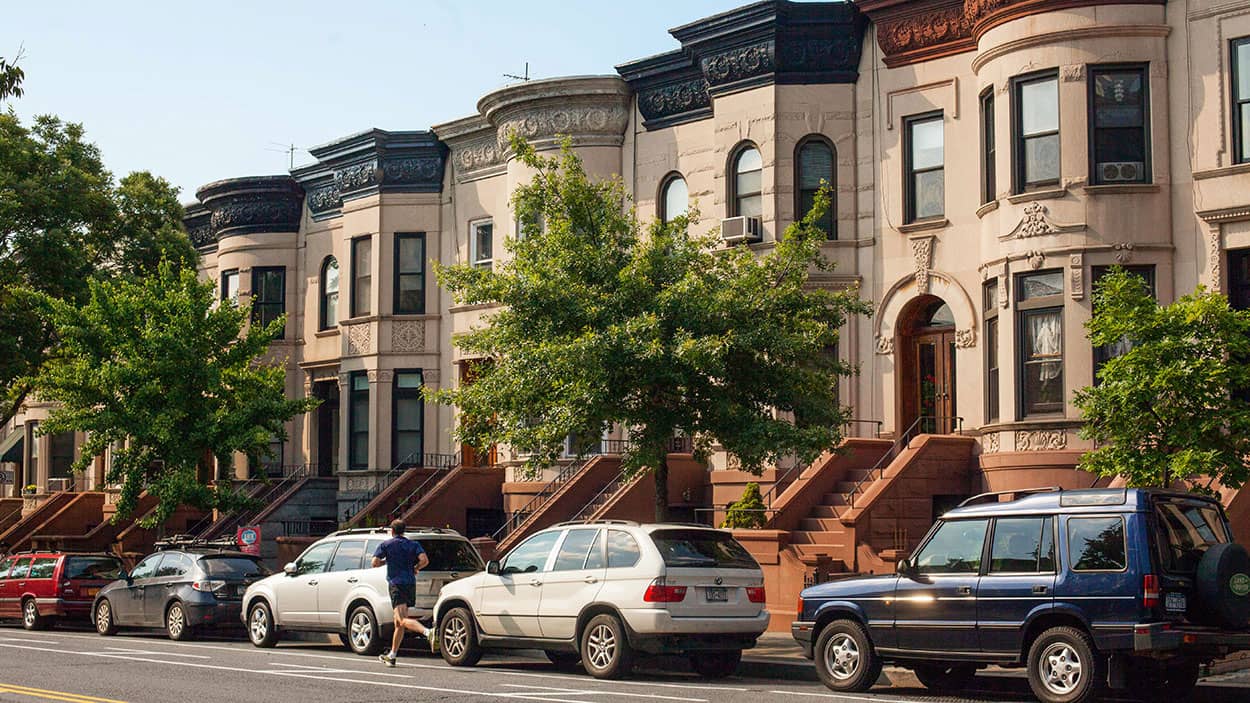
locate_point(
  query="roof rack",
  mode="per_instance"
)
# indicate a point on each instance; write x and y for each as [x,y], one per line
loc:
[1016,492]
[191,541]
[386,530]
[595,522]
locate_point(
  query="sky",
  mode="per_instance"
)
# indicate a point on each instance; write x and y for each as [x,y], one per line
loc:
[195,92]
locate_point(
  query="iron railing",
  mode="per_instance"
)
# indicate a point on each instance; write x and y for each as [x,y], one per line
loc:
[516,518]
[309,527]
[415,495]
[784,481]
[264,491]
[921,426]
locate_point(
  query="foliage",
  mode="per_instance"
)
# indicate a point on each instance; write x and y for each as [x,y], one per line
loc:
[1174,406]
[155,369]
[748,511]
[600,323]
[11,76]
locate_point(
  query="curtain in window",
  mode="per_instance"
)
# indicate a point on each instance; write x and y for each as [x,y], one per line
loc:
[1046,334]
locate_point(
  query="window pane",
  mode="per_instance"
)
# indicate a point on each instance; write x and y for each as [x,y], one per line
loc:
[1118,99]
[332,276]
[315,559]
[622,549]
[594,560]
[407,380]
[1241,56]
[815,165]
[531,555]
[411,293]
[42,568]
[1245,130]
[573,552]
[749,160]
[751,206]
[483,235]
[1187,529]
[1040,285]
[929,191]
[1017,546]
[749,183]
[230,286]
[955,549]
[927,145]
[408,447]
[1043,365]
[349,556]
[408,413]
[676,198]
[332,309]
[1112,145]
[411,254]
[1096,544]
[1041,159]
[1039,106]
[360,412]
[989,298]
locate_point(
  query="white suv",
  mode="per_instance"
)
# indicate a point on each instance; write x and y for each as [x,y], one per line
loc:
[597,592]
[332,587]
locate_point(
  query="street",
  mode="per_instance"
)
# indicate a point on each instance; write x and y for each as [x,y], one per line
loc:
[140,668]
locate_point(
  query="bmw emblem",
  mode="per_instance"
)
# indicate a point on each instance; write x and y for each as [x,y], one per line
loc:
[719,580]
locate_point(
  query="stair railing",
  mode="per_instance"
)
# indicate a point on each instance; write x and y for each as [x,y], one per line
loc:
[442,469]
[925,424]
[517,518]
[783,481]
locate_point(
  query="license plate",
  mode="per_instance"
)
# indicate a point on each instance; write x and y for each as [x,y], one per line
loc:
[90,591]
[1175,602]
[716,594]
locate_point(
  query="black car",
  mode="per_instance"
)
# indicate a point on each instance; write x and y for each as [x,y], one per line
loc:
[182,589]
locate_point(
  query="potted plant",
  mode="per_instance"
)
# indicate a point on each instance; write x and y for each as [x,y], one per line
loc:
[748,512]
[30,490]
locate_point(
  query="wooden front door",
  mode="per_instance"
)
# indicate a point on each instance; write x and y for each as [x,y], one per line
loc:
[470,455]
[934,357]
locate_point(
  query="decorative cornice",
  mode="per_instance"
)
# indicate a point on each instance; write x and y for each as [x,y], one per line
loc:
[252,205]
[372,162]
[197,220]
[987,14]
[671,89]
[474,148]
[589,110]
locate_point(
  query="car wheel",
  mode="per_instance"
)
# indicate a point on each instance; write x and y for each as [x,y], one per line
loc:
[563,660]
[362,632]
[177,626]
[1163,680]
[606,653]
[347,643]
[716,665]
[945,678]
[31,619]
[457,638]
[103,619]
[261,629]
[1064,667]
[845,658]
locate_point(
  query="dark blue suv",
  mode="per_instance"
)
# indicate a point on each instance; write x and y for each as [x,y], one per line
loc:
[1128,588]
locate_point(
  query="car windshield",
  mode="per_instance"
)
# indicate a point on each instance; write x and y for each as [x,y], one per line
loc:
[1186,529]
[450,555]
[92,568]
[232,567]
[702,549]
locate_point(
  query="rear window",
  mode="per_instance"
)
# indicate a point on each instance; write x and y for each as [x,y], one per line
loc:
[1186,530]
[451,555]
[92,568]
[232,567]
[702,549]
[1097,544]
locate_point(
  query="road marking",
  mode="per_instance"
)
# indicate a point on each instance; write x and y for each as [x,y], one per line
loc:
[600,692]
[884,698]
[21,639]
[304,668]
[149,651]
[52,695]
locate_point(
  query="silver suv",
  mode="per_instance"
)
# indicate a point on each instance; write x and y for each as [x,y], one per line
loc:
[332,587]
[598,592]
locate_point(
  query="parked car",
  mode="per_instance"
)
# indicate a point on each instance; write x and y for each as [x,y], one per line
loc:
[332,587]
[1124,587]
[44,587]
[184,588]
[598,592]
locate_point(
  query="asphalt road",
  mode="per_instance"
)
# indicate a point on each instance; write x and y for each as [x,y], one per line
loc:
[82,667]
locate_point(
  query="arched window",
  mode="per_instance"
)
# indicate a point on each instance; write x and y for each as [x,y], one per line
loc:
[674,197]
[329,293]
[747,182]
[813,164]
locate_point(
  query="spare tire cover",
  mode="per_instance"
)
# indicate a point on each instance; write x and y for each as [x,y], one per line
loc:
[1223,586]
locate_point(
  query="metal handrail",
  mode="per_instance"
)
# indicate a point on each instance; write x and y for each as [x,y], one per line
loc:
[380,483]
[615,485]
[517,518]
[771,495]
[901,441]
[440,473]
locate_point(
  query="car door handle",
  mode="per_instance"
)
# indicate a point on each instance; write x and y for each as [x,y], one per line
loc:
[965,590]
[591,579]
[535,582]
[1039,589]
[352,580]
[312,582]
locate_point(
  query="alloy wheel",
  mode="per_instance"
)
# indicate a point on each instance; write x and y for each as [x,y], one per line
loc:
[259,624]
[601,646]
[361,631]
[842,657]
[103,617]
[175,621]
[1061,668]
[30,614]
[455,637]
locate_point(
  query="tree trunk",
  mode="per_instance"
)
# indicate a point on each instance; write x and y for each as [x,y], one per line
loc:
[661,487]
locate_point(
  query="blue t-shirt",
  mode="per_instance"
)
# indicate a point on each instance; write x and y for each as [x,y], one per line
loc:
[400,554]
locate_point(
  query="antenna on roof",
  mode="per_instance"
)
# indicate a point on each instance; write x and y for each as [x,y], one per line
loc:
[288,149]
[525,77]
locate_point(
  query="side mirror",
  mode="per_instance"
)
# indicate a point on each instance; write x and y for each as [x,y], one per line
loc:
[124,575]
[290,569]
[903,568]
[492,567]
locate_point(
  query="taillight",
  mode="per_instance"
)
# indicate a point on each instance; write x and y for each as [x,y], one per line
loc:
[798,609]
[207,586]
[1150,591]
[66,588]
[755,594]
[660,592]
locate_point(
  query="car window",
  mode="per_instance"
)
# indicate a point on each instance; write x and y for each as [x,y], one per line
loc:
[622,549]
[574,550]
[1022,545]
[349,555]
[371,548]
[92,568]
[954,549]
[231,566]
[596,559]
[315,559]
[1186,529]
[702,549]
[22,568]
[530,555]
[42,568]
[450,555]
[146,568]
[4,567]
[1096,544]
[174,565]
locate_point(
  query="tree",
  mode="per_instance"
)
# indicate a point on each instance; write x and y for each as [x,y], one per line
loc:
[11,76]
[156,370]
[1172,407]
[603,324]
[748,512]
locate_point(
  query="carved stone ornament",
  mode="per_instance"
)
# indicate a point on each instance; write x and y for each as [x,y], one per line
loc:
[431,377]
[1074,73]
[674,99]
[408,336]
[1003,301]
[359,339]
[1123,252]
[1041,440]
[385,375]
[914,36]
[412,170]
[254,205]
[966,338]
[1036,223]
[989,443]
[1036,259]
[477,155]
[885,344]
[552,122]
[1216,255]
[324,199]
[922,255]
[739,63]
[358,176]
[1076,275]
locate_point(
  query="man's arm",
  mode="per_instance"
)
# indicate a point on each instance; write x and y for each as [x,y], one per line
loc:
[422,562]
[379,557]
[378,561]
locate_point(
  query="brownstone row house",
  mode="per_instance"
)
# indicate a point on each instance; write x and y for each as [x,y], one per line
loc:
[1081,134]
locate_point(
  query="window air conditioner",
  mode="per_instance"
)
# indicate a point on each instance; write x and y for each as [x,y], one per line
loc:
[58,484]
[1113,171]
[741,230]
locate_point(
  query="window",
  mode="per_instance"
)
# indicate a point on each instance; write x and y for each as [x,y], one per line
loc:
[1097,544]
[924,161]
[674,197]
[814,160]
[482,243]
[989,179]
[271,462]
[42,568]
[954,549]
[1023,546]
[5,566]
[230,285]
[329,293]
[90,568]
[410,274]
[575,549]
[174,565]
[32,455]
[219,565]
[451,555]
[314,560]
[1241,99]
[409,415]
[1119,139]
[20,569]
[1037,131]
[531,555]
[62,455]
[349,556]
[146,568]
[1106,353]
[989,308]
[622,549]
[1039,325]
[702,549]
[1187,529]
[362,275]
[748,183]
[358,421]
[269,295]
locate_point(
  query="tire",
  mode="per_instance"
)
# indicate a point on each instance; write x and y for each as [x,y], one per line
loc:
[563,660]
[457,638]
[1222,585]
[177,626]
[363,634]
[102,616]
[716,665]
[606,653]
[945,678]
[1064,667]
[262,631]
[31,619]
[846,660]
[1173,680]
[347,643]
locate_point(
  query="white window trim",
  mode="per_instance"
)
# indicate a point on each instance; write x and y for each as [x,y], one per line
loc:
[474,257]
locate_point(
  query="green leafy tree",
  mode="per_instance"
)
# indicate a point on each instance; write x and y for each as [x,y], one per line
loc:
[11,76]
[748,511]
[602,322]
[155,369]
[1172,406]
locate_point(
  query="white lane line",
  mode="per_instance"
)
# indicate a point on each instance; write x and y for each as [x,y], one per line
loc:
[149,651]
[599,692]
[885,698]
[304,668]
[20,639]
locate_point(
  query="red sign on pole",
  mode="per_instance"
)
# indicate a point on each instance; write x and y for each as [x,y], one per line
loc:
[248,539]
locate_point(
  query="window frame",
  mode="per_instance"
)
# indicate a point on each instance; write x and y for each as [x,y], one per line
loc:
[993,346]
[909,172]
[662,200]
[1018,140]
[225,275]
[559,548]
[360,564]
[831,232]
[398,394]
[1024,308]
[258,299]
[361,305]
[1067,528]
[989,149]
[323,321]
[474,254]
[914,557]
[988,560]
[1095,178]
[354,394]
[544,567]
[398,275]
[731,178]
[1239,128]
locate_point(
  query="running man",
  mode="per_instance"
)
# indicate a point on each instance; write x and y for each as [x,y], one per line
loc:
[403,558]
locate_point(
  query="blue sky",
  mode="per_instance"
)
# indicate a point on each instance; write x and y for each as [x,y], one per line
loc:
[198,91]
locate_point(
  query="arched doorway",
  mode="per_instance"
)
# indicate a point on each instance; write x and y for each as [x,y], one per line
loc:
[925,355]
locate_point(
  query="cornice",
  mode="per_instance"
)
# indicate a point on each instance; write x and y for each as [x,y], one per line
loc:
[197,220]
[250,205]
[475,151]
[589,110]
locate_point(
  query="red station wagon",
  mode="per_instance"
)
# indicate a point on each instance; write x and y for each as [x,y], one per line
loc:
[40,587]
